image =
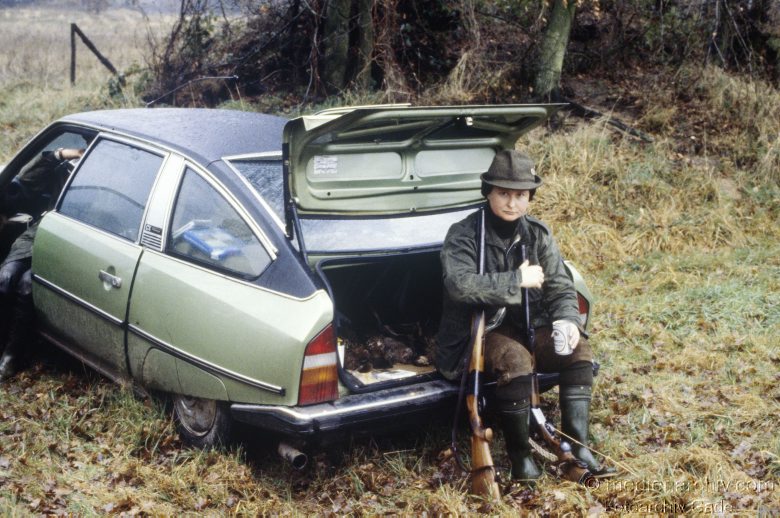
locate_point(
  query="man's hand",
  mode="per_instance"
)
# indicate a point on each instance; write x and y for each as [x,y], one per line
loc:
[532,275]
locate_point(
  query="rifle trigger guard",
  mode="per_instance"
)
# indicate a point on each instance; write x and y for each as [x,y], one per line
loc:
[495,320]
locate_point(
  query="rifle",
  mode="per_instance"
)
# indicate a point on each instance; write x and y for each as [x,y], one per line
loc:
[483,473]
[570,467]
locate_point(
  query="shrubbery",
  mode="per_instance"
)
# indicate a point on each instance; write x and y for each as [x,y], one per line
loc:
[444,52]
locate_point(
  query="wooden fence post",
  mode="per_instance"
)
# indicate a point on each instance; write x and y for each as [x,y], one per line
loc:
[72,53]
[74,30]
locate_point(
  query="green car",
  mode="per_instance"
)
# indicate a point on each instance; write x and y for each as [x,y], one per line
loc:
[279,273]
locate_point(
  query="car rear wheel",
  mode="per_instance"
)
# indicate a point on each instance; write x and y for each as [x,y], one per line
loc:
[203,423]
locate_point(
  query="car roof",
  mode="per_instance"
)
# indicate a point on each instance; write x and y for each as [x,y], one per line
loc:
[203,134]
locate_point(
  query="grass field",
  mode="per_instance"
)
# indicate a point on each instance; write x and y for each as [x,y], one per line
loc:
[35,65]
[679,240]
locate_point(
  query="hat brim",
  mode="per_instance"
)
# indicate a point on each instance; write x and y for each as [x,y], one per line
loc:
[509,184]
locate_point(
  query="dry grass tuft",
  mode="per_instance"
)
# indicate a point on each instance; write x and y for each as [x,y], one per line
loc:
[606,193]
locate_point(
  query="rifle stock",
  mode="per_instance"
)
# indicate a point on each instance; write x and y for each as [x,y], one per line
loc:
[483,473]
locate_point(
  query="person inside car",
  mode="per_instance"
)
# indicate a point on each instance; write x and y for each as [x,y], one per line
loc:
[32,192]
[509,185]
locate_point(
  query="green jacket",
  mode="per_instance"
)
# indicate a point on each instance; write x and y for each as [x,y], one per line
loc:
[465,290]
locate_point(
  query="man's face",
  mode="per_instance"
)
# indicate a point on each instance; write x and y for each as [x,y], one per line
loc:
[508,204]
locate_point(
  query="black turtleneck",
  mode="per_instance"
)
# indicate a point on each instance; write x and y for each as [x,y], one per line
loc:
[504,229]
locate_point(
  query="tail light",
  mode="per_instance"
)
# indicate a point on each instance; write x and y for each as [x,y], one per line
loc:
[584,309]
[319,376]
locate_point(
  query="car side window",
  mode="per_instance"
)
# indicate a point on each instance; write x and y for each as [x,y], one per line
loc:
[265,176]
[112,187]
[207,230]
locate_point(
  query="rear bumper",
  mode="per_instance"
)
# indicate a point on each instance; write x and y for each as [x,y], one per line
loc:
[384,410]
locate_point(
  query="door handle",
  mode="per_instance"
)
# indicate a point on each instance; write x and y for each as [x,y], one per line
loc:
[113,280]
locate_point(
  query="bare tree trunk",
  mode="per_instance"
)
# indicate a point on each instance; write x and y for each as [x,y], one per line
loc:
[365,46]
[553,49]
[394,84]
[335,41]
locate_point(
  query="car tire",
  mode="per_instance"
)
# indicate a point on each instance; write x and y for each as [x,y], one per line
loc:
[203,423]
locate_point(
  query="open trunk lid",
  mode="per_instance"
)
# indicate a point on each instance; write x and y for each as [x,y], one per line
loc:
[398,159]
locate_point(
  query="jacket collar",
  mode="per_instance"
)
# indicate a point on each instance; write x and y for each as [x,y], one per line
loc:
[491,237]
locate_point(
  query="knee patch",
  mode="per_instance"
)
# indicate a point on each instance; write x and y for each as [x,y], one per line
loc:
[506,358]
[516,360]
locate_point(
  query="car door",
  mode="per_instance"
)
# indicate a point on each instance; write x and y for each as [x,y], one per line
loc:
[86,252]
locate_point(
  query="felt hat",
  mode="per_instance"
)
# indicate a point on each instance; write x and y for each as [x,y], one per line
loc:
[512,169]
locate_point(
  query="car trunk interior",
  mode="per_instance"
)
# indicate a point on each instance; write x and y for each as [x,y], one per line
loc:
[387,315]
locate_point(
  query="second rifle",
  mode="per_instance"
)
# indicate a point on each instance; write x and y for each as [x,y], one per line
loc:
[570,467]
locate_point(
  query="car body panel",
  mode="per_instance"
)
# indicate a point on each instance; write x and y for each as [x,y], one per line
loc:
[582,289]
[381,411]
[197,382]
[161,201]
[156,370]
[192,313]
[394,160]
[72,294]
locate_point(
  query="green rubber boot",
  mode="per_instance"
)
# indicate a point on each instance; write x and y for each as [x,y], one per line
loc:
[575,416]
[514,423]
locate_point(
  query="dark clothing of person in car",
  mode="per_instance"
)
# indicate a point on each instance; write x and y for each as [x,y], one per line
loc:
[32,192]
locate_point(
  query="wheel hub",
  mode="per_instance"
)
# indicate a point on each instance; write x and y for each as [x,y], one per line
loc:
[196,415]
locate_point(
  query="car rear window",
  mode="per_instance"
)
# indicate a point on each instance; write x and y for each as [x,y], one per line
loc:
[368,234]
[348,234]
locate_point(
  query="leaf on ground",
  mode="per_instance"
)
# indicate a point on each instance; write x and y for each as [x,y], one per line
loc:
[740,450]
[202,503]
[124,504]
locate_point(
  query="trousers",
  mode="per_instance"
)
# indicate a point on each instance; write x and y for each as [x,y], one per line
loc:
[507,357]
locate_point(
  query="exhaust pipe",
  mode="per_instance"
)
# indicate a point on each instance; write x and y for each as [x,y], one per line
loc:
[295,457]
